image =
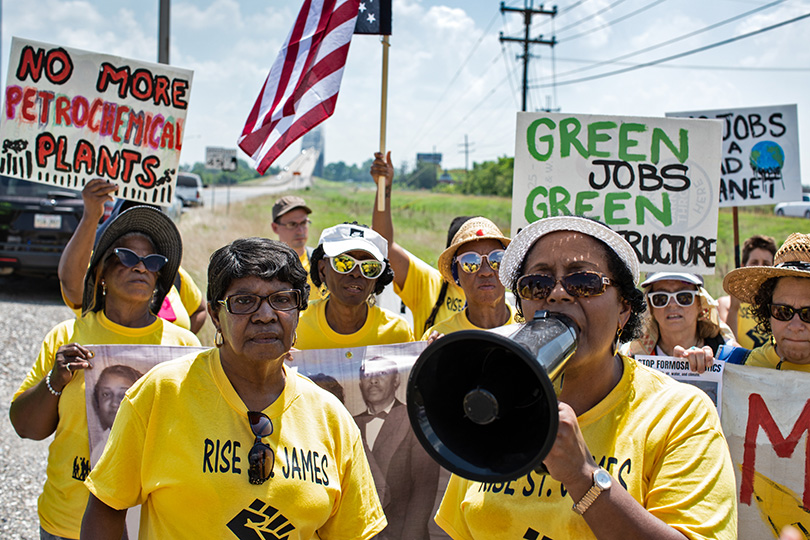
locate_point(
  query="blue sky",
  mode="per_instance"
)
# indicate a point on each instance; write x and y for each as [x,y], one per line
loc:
[449,74]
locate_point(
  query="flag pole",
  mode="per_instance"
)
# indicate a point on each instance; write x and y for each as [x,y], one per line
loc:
[383,110]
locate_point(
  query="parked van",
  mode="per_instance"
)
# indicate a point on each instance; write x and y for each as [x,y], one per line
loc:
[189,189]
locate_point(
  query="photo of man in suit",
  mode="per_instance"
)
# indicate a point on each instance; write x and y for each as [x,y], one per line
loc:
[411,477]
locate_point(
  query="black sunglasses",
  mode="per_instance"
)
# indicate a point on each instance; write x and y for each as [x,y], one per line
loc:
[784,313]
[578,284]
[261,457]
[130,259]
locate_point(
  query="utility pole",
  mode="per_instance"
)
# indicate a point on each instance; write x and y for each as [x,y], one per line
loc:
[527,12]
[163,31]
[466,151]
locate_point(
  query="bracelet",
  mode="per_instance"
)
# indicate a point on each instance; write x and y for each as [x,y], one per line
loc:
[50,388]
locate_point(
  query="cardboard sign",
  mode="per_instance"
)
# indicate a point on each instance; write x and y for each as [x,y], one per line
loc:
[653,180]
[760,154]
[766,420]
[71,115]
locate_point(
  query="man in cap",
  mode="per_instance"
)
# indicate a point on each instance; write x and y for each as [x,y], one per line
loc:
[291,224]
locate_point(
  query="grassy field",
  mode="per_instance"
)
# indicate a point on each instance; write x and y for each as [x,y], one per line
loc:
[420,220]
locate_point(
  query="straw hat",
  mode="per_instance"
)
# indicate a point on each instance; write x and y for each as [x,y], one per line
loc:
[477,228]
[526,238]
[791,260]
[160,229]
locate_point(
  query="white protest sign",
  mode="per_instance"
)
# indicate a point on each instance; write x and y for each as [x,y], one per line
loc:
[710,381]
[766,420]
[73,115]
[221,159]
[760,154]
[653,180]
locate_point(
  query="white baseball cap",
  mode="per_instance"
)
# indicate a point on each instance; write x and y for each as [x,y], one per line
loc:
[351,236]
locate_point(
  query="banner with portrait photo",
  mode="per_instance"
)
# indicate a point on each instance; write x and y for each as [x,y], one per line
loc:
[766,420]
[653,180]
[371,382]
[72,115]
[760,154]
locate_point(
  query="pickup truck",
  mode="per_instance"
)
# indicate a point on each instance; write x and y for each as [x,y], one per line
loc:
[795,209]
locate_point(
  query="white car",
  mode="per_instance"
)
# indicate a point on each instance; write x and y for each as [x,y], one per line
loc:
[795,209]
[190,189]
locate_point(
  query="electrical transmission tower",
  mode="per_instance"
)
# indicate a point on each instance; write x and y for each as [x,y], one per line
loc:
[466,151]
[527,12]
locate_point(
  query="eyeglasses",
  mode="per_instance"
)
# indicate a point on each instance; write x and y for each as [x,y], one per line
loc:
[660,299]
[471,261]
[292,225]
[578,284]
[130,259]
[261,457]
[343,264]
[245,304]
[784,313]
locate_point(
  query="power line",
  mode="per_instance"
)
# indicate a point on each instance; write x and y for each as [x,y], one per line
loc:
[591,16]
[680,55]
[673,40]
[642,9]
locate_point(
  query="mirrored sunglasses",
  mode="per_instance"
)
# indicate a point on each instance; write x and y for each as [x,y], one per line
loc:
[660,299]
[245,304]
[261,457]
[471,261]
[130,259]
[577,284]
[370,268]
[784,313]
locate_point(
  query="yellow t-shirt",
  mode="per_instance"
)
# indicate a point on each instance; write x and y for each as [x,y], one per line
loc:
[64,497]
[747,335]
[180,446]
[381,328]
[421,290]
[767,357]
[182,303]
[661,440]
[459,321]
[314,292]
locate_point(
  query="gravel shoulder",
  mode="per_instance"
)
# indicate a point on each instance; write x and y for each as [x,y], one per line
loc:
[29,308]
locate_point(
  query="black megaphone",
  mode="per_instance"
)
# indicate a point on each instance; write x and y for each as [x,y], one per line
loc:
[483,405]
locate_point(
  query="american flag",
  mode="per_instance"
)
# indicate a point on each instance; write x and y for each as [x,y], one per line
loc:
[374,17]
[302,88]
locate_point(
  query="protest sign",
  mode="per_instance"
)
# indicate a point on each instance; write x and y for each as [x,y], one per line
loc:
[760,154]
[766,420]
[710,381]
[73,115]
[653,180]
[409,483]
[115,369]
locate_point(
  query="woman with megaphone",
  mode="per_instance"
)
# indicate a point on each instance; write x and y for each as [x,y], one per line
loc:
[637,454]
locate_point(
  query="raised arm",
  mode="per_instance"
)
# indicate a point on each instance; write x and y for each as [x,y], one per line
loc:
[381,219]
[76,256]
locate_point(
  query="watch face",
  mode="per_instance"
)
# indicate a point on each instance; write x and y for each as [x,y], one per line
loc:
[602,479]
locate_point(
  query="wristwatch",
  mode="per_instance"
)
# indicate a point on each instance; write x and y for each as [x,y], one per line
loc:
[601,482]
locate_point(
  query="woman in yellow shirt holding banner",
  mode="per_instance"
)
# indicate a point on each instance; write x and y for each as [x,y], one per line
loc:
[130,273]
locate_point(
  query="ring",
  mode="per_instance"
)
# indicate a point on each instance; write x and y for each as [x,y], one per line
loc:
[67,367]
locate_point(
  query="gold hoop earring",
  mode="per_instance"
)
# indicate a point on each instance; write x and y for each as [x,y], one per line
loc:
[295,338]
[219,341]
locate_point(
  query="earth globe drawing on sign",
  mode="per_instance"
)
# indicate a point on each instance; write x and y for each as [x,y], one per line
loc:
[767,159]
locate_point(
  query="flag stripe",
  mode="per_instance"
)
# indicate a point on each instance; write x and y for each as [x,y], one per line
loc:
[302,87]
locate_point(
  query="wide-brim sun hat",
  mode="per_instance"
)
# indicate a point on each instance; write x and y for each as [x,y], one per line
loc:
[792,259]
[150,222]
[474,229]
[526,238]
[350,237]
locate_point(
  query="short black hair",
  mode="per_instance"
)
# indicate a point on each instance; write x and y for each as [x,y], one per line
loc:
[259,257]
